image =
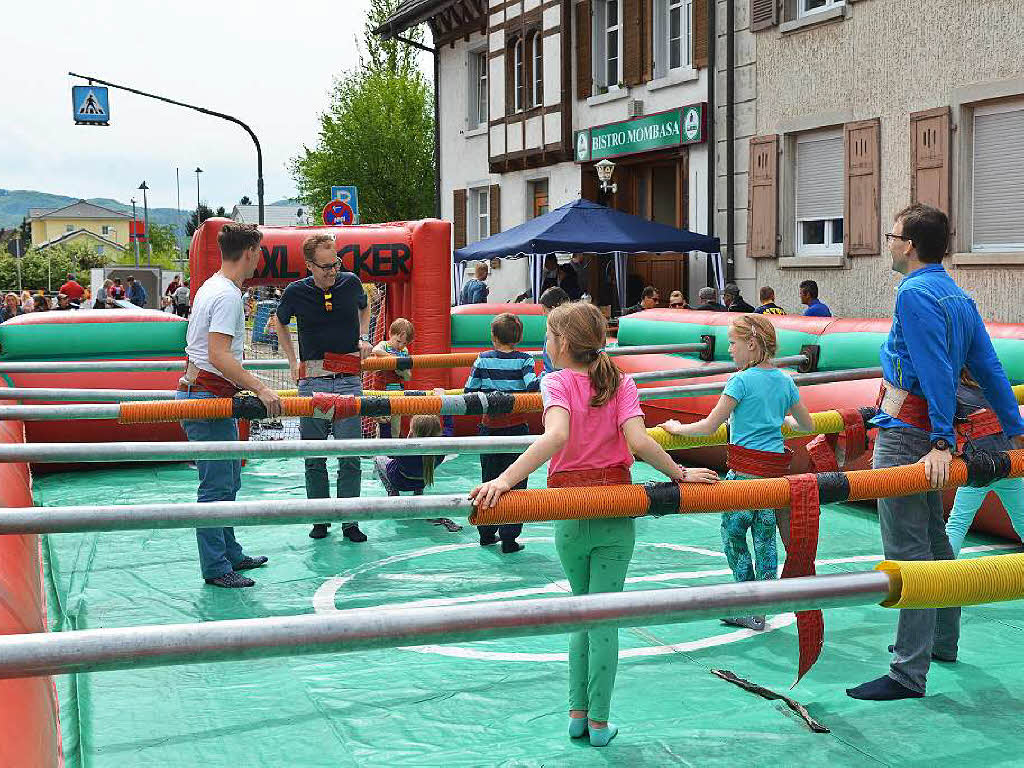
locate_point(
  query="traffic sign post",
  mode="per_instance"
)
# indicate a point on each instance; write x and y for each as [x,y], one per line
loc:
[349,195]
[339,213]
[90,105]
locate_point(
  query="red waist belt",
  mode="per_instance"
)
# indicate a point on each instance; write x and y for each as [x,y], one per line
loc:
[750,461]
[332,362]
[576,478]
[503,421]
[914,411]
[210,382]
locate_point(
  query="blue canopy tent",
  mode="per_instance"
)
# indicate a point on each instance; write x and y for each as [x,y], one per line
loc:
[583,226]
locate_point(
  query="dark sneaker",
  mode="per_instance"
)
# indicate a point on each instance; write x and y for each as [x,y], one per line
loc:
[486,541]
[231,580]
[508,547]
[248,563]
[352,533]
[319,531]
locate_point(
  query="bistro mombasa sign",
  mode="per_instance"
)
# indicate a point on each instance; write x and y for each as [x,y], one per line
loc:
[675,127]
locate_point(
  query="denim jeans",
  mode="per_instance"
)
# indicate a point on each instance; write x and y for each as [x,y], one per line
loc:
[218,481]
[349,473]
[913,529]
[492,465]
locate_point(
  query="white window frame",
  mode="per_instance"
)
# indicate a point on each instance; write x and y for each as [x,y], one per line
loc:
[1013,105]
[803,11]
[477,115]
[662,32]
[105,230]
[831,246]
[537,57]
[599,46]
[479,214]
[518,75]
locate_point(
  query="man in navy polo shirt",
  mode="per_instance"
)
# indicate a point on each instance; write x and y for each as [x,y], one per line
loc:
[809,296]
[333,323]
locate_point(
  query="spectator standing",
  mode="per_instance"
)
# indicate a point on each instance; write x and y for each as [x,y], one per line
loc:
[12,307]
[708,298]
[648,300]
[116,290]
[809,296]
[40,303]
[733,301]
[768,305]
[64,303]
[102,299]
[175,283]
[676,300]
[136,292]
[475,290]
[181,300]
[73,290]
[550,278]
[28,303]
[581,264]
[551,298]
[569,282]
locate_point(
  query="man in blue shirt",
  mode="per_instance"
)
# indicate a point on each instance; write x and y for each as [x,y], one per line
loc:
[475,290]
[936,332]
[136,292]
[809,296]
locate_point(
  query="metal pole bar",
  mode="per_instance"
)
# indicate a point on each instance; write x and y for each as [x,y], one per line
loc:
[78,411]
[84,395]
[359,629]
[711,369]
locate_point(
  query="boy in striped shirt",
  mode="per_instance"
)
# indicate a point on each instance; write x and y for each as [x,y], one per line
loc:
[502,369]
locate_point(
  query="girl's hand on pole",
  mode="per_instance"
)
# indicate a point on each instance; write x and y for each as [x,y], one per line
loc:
[487,494]
[672,426]
[700,475]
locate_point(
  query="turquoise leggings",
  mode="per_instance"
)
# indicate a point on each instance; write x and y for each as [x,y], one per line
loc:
[762,526]
[595,555]
[1010,491]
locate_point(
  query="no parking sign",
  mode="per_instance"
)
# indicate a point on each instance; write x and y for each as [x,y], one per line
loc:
[339,212]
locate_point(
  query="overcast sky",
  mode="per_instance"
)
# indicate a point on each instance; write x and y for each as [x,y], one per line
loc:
[270,64]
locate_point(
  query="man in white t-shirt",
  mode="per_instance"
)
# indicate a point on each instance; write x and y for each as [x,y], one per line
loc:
[216,333]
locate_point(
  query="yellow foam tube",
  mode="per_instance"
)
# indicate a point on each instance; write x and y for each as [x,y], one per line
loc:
[825,423]
[946,583]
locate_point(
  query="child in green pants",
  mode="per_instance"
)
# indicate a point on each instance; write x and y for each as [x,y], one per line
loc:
[593,426]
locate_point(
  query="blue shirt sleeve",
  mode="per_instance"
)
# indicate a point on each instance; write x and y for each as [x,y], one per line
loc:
[925,327]
[285,310]
[735,387]
[531,383]
[474,382]
[984,365]
[794,393]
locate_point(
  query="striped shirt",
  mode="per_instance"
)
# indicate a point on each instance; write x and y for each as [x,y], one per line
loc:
[496,371]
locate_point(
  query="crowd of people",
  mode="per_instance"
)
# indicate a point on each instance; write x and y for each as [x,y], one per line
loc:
[940,371]
[72,295]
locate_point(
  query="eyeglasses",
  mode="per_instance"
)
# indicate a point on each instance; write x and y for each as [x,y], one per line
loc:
[676,304]
[890,236]
[334,265]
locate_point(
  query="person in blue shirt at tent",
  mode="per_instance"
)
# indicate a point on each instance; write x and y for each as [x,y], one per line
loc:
[475,290]
[551,298]
[936,332]
[809,296]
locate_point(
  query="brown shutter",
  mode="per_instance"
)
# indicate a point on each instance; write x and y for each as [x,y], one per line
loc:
[763,14]
[584,66]
[647,33]
[862,196]
[632,42]
[700,33]
[763,203]
[929,158]
[459,218]
[494,196]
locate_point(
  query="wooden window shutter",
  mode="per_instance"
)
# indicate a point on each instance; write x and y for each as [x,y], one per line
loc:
[763,198]
[510,77]
[494,198]
[763,14]
[862,198]
[632,42]
[647,33]
[700,33]
[584,65]
[929,158]
[459,218]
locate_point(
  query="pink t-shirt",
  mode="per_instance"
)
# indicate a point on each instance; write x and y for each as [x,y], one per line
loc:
[595,434]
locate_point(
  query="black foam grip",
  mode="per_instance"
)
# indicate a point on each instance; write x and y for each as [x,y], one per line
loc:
[985,466]
[245,405]
[833,487]
[375,406]
[662,498]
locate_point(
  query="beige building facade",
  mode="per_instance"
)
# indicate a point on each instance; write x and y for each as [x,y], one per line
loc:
[843,113]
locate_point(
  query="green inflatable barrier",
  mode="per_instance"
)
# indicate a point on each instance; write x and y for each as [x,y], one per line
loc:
[84,341]
[475,330]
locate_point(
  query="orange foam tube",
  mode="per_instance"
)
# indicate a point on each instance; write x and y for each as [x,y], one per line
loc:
[452,360]
[564,504]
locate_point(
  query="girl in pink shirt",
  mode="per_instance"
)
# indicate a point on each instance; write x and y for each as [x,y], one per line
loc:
[593,426]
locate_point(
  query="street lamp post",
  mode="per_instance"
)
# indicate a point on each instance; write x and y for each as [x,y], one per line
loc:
[145,214]
[135,233]
[198,221]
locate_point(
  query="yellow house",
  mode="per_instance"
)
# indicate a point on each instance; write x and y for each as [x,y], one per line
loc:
[104,229]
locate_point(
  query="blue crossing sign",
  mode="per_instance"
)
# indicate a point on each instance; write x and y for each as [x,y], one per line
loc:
[90,105]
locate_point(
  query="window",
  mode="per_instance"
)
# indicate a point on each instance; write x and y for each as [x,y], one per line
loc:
[477,89]
[607,43]
[99,249]
[69,228]
[479,214]
[819,194]
[807,7]
[519,75]
[537,75]
[998,177]
[672,34]
[538,198]
[106,230]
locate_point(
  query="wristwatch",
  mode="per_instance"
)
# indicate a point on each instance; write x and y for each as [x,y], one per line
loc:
[941,444]
[365,337]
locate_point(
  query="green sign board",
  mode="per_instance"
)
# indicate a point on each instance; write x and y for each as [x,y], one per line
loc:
[683,125]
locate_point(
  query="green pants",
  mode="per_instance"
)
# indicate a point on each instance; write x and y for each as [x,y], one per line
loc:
[595,555]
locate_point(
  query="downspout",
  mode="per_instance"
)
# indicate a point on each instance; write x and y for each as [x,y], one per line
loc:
[437,117]
[730,137]
[712,147]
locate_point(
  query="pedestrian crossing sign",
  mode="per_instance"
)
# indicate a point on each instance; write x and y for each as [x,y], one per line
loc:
[90,105]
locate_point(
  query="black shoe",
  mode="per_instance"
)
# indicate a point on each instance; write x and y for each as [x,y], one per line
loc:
[352,533]
[882,689]
[319,531]
[510,546]
[231,580]
[486,541]
[248,563]
[935,656]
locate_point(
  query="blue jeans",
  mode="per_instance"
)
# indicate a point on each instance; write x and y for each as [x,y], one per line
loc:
[218,481]
[912,529]
[492,465]
[1010,491]
[349,473]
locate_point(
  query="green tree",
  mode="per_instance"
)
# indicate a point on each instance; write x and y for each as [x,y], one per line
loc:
[205,212]
[245,200]
[378,133]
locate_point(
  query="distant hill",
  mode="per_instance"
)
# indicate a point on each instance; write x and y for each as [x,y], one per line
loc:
[15,203]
